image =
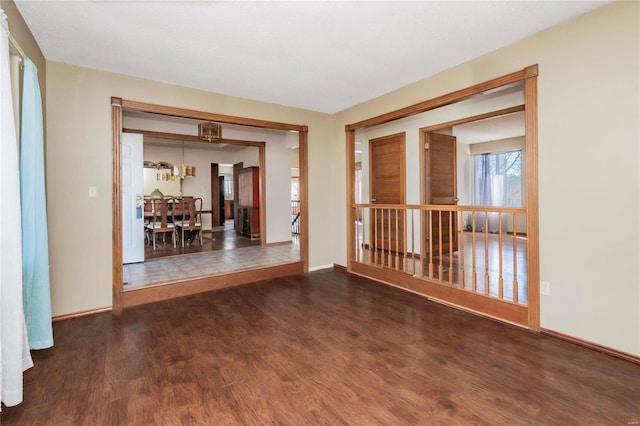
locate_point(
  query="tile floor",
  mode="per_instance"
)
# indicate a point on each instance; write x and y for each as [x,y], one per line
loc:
[174,268]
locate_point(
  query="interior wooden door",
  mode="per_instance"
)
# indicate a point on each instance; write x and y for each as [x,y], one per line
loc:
[221,215]
[442,187]
[387,178]
[237,167]
[215,195]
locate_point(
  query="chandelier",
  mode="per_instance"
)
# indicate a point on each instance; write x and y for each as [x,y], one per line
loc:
[210,131]
[182,171]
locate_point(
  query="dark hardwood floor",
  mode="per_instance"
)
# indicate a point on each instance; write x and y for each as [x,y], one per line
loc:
[325,348]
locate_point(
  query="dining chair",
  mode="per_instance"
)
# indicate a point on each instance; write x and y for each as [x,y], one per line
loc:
[160,222]
[191,210]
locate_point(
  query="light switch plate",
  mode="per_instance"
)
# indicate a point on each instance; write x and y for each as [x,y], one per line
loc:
[93,192]
[545,288]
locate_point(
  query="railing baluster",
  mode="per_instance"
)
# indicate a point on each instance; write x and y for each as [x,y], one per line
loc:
[413,250]
[474,282]
[372,237]
[363,219]
[430,244]
[500,280]
[382,253]
[404,233]
[440,269]
[386,247]
[515,259]
[486,253]
[397,241]
[390,238]
[450,247]
[355,236]
[461,242]
[405,224]
[374,242]
[362,234]
[366,249]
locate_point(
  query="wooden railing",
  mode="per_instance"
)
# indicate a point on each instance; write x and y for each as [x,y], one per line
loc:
[295,217]
[476,249]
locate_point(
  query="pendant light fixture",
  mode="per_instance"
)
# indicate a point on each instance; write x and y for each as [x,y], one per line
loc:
[183,170]
[210,131]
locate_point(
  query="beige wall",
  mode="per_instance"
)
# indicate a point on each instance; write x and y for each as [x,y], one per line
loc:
[79,155]
[589,185]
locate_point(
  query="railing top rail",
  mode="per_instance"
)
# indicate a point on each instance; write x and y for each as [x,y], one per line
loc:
[443,207]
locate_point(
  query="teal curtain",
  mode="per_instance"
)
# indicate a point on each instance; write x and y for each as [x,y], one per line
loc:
[35,241]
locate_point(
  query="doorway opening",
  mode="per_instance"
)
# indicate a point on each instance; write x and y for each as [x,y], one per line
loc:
[455,252]
[241,134]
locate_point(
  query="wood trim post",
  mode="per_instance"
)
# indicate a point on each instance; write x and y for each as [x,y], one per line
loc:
[422,139]
[351,196]
[116,213]
[263,194]
[303,190]
[531,173]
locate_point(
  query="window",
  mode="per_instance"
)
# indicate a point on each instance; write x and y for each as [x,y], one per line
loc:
[228,186]
[497,179]
[294,188]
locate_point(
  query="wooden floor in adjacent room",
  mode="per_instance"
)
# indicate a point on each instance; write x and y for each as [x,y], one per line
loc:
[225,239]
[325,348]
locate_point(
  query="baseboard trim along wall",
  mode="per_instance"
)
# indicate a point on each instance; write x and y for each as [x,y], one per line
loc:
[80,314]
[590,345]
[317,268]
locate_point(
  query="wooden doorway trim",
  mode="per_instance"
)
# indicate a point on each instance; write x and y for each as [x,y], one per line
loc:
[116,234]
[117,105]
[448,99]
[527,75]
[303,186]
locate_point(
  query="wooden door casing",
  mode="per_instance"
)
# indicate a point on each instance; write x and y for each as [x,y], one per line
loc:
[526,76]
[387,179]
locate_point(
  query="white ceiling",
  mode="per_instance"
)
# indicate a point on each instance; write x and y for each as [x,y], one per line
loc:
[322,56]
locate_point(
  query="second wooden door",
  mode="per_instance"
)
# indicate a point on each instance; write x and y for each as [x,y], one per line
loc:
[387,172]
[442,187]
